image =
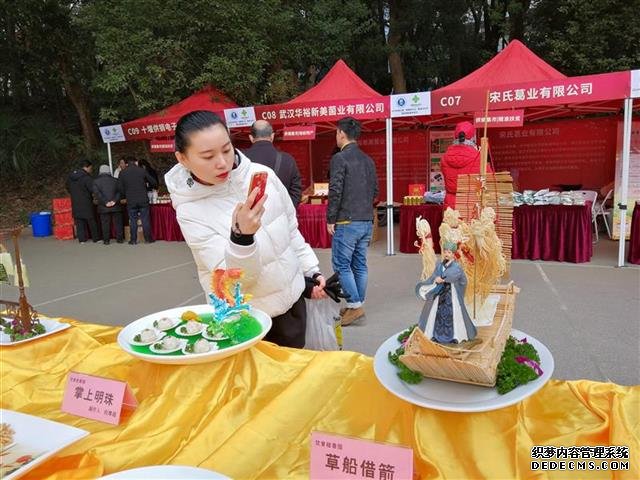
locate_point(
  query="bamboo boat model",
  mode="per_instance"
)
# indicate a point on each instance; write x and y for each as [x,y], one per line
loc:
[482,226]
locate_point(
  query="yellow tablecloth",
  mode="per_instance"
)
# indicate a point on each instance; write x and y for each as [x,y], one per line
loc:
[251,415]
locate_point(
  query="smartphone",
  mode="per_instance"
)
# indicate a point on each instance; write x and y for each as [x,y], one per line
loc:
[259,180]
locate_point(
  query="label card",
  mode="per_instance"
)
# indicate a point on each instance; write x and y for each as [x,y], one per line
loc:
[97,398]
[334,457]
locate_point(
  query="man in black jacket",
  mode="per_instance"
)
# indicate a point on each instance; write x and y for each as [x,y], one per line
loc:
[133,185]
[107,192]
[263,152]
[80,186]
[353,187]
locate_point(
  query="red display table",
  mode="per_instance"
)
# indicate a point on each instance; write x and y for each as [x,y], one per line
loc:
[408,215]
[559,233]
[312,223]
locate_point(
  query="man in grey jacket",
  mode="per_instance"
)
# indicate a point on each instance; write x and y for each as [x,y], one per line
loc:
[353,188]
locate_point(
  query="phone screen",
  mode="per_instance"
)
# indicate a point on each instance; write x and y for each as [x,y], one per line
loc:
[259,180]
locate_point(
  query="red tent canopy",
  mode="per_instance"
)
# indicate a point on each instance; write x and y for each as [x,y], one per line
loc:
[339,83]
[517,78]
[339,94]
[163,123]
[514,64]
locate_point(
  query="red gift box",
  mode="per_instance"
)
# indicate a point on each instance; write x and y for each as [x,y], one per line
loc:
[416,189]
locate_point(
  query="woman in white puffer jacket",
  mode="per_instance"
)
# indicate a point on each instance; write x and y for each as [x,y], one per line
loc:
[209,188]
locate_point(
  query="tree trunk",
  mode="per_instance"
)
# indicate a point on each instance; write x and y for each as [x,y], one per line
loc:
[393,44]
[80,102]
[517,14]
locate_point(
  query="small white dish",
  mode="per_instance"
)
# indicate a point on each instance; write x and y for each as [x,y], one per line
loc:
[172,323]
[162,351]
[181,330]
[213,347]
[159,336]
[218,337]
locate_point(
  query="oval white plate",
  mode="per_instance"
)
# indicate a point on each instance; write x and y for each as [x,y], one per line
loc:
[214,347]
[51,326]
[174,322]
[165,472]
[127,333]
[181,344]
[457,397]
[159,336]
[182,334]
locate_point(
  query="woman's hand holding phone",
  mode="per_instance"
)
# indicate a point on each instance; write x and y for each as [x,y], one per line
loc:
[247,219]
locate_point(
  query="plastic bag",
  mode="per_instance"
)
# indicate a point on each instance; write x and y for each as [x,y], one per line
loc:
[321,318]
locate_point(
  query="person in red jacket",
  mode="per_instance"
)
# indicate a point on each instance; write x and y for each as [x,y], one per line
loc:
[463,157]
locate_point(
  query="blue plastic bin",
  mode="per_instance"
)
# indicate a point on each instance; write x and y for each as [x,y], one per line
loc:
[41,224]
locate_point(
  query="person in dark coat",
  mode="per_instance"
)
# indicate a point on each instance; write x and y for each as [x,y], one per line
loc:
[263,152]
[151,171]
[133,185]
[353,188]
[80,186]
[107,192]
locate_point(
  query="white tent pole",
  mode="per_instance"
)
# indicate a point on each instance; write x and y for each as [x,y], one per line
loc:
[109,153]
[626,150]
[389,131]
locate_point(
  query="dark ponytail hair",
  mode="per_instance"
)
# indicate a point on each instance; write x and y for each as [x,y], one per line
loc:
[194,122]
[350,126]
[461,137]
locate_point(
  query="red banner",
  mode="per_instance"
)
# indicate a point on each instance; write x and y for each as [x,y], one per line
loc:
[499,118]
[589,88]
[551,154]
[300,132]
[324,111]
[162,145]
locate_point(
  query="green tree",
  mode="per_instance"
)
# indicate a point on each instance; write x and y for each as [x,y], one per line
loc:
[587,36]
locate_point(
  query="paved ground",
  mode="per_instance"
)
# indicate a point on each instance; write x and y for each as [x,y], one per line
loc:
[588,315]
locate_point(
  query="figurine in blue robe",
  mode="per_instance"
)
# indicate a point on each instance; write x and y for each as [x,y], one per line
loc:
[444,317]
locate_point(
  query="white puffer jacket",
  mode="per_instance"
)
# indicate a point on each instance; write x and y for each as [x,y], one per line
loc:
[274,266]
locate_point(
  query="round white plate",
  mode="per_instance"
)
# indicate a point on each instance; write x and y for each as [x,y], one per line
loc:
[127,333]
[457,397]
[166,472]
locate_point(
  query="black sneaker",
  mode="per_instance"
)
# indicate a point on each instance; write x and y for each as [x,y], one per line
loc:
[120,241]
[132,243]
[106,242]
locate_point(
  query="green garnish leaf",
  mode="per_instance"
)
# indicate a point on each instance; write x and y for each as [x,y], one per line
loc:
[511,373]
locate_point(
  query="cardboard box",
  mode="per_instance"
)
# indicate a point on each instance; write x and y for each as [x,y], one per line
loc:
[320,189]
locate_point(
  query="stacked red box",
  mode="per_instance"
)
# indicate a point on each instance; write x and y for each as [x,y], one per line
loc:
[63,232]
[63,219]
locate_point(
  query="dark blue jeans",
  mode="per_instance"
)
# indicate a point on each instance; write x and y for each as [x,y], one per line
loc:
[349,259]
[143,213]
